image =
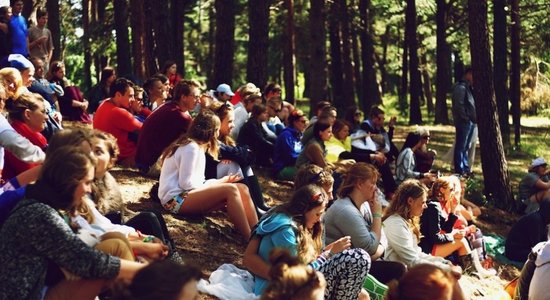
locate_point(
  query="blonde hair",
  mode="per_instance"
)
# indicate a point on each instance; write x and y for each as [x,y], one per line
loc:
[440,183]
[425,281]
[290,279]
[410,188]
[12,81]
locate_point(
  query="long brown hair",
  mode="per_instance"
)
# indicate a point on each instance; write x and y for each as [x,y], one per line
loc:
[410,188]
[202,131]
[359,171]
[222,110]
[303,200]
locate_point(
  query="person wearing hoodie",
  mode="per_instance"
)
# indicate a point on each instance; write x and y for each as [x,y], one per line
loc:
[527,232]
[296,226]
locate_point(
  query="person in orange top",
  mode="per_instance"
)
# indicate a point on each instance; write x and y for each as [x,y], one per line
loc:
[112,116]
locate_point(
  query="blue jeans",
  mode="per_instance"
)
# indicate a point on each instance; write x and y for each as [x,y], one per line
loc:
[463,133]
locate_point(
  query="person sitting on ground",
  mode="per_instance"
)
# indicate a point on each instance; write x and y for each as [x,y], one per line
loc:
[223,93]
[28,117]
[234,159]
[156,92]
[402,228]
[172,120]
[140,112]
[535,185]
[274,124]
[383,139]
[538,287]
[253,135]
[466,209]
[291,279]
[314,150]
[162,280]
[527,232]
[113,117]
[327,115]
[40,85]
[72,104]
[423,156]
[182,185]
[101,91]
[313,174]
[319,107]
[26,251]
[288,146]
[358,204]
[296,226]
[354,117]
[426,281]
[249,97]
[406,163]
[170,70]
[440,237]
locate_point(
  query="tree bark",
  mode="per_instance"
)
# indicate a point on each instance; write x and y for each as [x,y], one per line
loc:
[140,44]
[404,75]
[318,55]
[258,42]
[500,52]
[54,25]
[427,83]
[86,8]
[357,63]
[124,63]
[515,55]
[371,94]
[348,97]
[336,72]
[178,24]
[495,168]
[224,43]
[289,58]
[162,28]
[383,61]
[415,116]
[443,61]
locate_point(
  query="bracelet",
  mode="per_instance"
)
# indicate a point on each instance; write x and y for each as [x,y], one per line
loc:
[376,215]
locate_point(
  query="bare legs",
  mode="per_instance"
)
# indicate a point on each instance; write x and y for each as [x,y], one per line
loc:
[231,195]
[444,250]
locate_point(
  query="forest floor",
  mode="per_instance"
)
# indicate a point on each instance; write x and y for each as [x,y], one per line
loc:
[210,241]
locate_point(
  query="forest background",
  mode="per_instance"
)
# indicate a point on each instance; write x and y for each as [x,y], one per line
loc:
[351,52]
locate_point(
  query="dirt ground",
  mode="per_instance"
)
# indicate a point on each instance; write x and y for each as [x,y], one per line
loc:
[210,241]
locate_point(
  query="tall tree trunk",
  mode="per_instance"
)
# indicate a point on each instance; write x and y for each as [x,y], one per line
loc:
[357,64]
[289,58]
[515,55]
[495,168]
[318,56]
[209,63]
[225,42]
[383,61]
[178,22]
[54,24]
[162,28]
[371,94]
[404,87]
[124,63]
[500,52]
[336,72]
[443,61]
[427,83]
[258,42]
[415,116]
[348,96]
[86,7]
[140,43]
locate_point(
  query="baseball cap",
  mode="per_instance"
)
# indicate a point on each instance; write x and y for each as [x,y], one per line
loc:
[537,162]
[19,62]
[224,88]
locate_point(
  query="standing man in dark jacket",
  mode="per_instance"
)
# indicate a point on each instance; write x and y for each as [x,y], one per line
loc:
[464,115]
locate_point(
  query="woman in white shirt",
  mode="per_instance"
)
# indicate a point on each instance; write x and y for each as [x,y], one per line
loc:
[182,185]
[401,225]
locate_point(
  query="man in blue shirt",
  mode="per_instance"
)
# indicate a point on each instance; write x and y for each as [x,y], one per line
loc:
[18,29]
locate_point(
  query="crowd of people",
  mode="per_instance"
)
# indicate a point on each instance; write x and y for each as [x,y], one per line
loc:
[365,220]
